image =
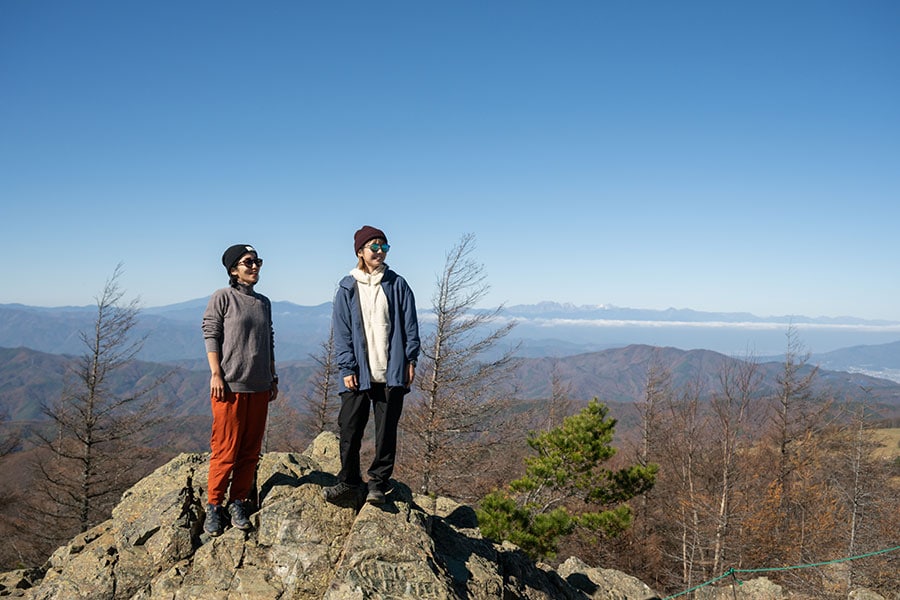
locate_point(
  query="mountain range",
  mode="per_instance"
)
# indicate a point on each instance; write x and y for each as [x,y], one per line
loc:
[598,350]
[616,376]
[547,329]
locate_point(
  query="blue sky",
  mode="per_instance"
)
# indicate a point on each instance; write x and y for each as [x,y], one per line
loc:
[719,156]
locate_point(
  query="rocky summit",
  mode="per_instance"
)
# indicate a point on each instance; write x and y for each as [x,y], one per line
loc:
[300,547]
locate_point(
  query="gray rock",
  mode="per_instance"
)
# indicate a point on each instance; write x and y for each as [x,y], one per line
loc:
[760,588]
[604,584]
[301,547]
[865,594]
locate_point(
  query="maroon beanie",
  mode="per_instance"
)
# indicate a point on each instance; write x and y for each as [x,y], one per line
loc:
[366,233]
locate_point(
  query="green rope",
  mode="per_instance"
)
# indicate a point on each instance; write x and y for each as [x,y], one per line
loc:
[733,572]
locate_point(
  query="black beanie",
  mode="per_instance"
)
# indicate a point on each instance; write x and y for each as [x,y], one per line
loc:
[234,253]
[366,233]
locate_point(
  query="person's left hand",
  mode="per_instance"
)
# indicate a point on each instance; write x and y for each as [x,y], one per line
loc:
[351,382]
[410,374]
[274,391]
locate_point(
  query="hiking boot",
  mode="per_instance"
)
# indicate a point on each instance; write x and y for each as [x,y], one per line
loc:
[375,496]
[340,491]
[213,524]
[238,511]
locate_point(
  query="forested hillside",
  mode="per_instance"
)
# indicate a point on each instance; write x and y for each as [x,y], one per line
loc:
[758,463]
[29,378]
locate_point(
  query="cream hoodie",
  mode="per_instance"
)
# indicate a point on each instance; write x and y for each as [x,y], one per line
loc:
[374,308]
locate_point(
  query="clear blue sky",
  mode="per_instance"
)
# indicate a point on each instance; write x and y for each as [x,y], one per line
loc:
[719,156]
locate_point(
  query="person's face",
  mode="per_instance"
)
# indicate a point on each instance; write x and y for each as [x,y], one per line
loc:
[247,269]
[372,259]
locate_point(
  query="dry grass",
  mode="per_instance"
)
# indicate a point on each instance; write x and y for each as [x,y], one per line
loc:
[889,439]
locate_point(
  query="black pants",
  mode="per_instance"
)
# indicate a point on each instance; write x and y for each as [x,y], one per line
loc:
[387,404]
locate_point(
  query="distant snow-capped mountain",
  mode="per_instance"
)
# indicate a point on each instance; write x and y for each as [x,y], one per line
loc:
[617,313]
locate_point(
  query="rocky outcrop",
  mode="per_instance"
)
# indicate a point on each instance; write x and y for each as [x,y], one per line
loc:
[301,547]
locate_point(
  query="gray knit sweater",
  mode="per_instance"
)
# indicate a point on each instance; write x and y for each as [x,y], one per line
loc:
[238,325]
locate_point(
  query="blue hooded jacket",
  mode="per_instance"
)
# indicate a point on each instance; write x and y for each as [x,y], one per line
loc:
[350,336]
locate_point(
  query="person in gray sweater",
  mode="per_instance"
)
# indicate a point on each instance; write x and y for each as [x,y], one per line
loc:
[240,348]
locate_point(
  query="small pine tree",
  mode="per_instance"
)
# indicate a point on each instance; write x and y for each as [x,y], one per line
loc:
[565,486]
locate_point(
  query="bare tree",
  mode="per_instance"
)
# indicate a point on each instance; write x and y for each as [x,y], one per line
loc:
[283,429]
[561,404]
[291,430]
[322,401]
[461,414]
[684,449]
[10,440]
[11,437]
[739,384]
[798,415]
[862,481]
[95,451]
[793,402]
[859,493]
[657,393]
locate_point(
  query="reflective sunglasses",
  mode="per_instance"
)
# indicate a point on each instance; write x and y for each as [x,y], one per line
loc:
[251,262]
[377,247]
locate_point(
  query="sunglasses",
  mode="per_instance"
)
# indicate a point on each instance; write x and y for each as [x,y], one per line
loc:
[251,262]
[377,247]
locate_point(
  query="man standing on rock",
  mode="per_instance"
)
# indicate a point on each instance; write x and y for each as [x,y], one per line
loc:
[376,339]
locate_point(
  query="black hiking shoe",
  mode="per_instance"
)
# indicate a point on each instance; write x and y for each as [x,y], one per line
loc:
[338,492]
[238,511]
[375,496]
[213,524]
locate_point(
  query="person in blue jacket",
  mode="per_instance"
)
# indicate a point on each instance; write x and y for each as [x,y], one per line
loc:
[376,342]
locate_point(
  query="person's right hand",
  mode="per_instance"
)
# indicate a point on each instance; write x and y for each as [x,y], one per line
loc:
[351,382]
[217,387]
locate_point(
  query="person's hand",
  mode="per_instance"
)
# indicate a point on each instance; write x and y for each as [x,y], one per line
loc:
[351,382]
[410,374]
[217,386]
[274,391]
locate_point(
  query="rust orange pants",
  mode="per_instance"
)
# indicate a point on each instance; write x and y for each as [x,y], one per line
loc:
[239,424]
